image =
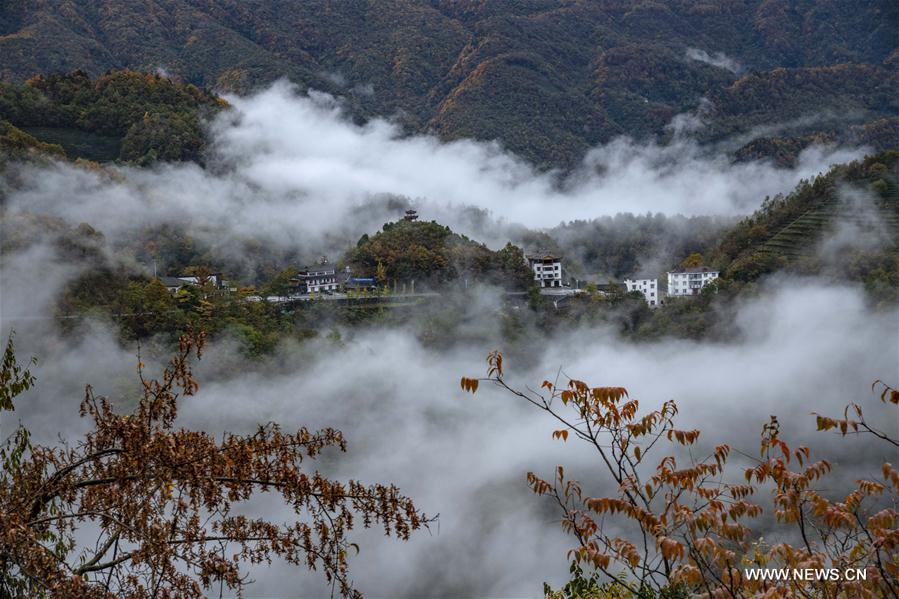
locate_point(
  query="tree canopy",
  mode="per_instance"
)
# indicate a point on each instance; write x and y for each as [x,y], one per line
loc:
[148,117]
[161,499]
[431,254]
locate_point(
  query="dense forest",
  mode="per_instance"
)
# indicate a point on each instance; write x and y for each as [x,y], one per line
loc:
[431,254]
[547,79]
[122,115]
[844,225]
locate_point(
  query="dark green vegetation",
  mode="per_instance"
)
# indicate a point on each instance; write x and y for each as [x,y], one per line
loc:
[843,225]
[547,78]
[141,308]
[432,255]
[80,144]
[120,115]
[138,306]
[19,145]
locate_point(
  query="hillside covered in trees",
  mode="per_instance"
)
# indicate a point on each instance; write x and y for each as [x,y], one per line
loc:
[432,255]
[549,79]
[843,225]
[121,115]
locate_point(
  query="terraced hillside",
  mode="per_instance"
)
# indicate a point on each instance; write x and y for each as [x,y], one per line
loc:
[800,237]
[853,206]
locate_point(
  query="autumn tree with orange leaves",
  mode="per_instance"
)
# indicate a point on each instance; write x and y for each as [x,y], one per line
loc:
[162,500]
[687,524]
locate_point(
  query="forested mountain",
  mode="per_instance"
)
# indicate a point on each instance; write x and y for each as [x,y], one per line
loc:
[431,254]
[843,224]
[120,115]
[547,78]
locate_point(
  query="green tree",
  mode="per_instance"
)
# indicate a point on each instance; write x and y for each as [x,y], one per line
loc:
[381,273]
[280,285]
[694,259]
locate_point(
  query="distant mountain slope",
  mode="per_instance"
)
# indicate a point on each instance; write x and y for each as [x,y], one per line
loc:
[796,239]
[123,115]
[844,223]
[548,78]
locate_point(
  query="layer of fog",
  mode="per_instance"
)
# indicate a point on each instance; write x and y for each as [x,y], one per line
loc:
[293,170]
[859,227]
[803,347]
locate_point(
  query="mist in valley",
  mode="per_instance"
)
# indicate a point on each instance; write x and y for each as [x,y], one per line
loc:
[292,172]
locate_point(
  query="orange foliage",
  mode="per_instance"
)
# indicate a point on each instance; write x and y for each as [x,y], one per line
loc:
[161,498]
[689,524]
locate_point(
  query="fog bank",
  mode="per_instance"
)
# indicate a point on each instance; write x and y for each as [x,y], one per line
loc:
[294,170]
[803,347]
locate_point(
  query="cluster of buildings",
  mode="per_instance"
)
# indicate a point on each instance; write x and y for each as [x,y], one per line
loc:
[682,282]
[549,275]
[323,278]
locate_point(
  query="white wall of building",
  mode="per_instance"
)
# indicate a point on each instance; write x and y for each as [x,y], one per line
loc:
[547,272]
[648,287]
[323,284]
[689,281]
[317,280]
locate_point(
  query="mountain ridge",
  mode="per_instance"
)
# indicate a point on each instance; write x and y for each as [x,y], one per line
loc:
[547,79]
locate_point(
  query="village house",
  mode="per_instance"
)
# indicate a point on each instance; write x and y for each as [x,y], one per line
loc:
[173,284]
[611,289]
[547,269]
[356,284]
[215,280]
[689,280]
[646,286]
[353,284]
[321,278]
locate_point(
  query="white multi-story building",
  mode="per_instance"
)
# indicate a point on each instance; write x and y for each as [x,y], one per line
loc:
[648,287]
[317,279]
[690,280]
[547,270]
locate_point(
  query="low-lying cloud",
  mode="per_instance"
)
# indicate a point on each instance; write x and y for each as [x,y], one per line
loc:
[718,59]
[803,346]
[292,169]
